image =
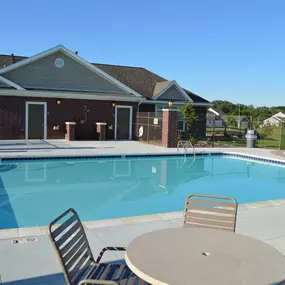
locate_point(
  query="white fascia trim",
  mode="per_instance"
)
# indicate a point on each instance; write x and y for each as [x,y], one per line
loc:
[30,59]
[213,111]
[179,89]
[202,104]
[11,83]
[64,95]
[77,58]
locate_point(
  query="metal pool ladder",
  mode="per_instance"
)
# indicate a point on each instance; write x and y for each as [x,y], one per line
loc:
[185,145]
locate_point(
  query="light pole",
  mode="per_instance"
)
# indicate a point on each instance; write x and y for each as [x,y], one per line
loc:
[239,115]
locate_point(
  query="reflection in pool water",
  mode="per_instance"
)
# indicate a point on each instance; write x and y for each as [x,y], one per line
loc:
[34,192]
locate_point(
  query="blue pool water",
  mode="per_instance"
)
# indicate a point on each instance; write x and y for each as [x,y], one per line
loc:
[32,193]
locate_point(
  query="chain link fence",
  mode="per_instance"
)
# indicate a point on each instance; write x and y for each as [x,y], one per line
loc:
[202,134]
[148,128]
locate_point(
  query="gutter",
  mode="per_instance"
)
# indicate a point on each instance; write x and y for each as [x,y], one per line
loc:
[200,104]
[67,95]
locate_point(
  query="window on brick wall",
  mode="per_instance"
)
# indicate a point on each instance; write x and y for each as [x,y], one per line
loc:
[158,113]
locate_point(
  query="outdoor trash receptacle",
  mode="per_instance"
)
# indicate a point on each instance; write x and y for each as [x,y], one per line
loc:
[250,138]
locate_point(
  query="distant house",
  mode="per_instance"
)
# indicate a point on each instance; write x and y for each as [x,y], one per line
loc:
[214,118]
[240,121]
[275,120]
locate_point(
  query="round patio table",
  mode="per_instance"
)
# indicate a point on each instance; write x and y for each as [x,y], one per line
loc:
[204,256]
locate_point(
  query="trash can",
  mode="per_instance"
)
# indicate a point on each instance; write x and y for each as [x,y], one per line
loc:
[250,138]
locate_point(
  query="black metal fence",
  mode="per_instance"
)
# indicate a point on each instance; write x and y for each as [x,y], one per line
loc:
[148,128]
[270,137]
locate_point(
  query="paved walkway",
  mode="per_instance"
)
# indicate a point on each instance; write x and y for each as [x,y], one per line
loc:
[36,262]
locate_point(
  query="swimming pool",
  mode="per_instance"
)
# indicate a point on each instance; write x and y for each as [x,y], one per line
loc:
[32,193]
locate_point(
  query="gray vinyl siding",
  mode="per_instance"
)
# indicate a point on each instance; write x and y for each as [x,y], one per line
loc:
[172,94]
[43,74]
[3,85]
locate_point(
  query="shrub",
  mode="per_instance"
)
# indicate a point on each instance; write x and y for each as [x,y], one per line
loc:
[266,131]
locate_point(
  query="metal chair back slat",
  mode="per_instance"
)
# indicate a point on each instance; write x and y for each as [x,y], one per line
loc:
[208,211]
[72,246]
[79,266]
[75,251]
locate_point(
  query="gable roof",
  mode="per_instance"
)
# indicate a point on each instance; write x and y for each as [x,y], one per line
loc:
[166,85]
[216,111]
[75,57]
[160,86]
[279,114]
[140,80]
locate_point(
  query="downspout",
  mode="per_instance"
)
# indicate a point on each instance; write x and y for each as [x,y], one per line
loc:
[143,99]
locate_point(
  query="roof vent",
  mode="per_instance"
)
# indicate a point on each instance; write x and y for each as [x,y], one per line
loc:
[59,62]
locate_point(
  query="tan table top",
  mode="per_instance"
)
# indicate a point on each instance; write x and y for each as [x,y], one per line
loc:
[202,257]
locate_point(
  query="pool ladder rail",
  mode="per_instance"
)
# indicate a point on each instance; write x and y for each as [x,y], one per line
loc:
[185,145]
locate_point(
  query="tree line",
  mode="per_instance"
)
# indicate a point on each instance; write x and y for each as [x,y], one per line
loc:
[251,112]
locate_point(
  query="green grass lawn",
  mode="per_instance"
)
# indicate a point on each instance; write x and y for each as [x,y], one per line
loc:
[272,142]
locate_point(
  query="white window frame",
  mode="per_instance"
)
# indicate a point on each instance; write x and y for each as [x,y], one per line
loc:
[173,108]
[28,179]
[117,173]
[27,118]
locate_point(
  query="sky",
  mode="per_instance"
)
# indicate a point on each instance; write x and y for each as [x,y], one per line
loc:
[220,49]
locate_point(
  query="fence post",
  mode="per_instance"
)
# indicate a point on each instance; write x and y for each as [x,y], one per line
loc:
[147,127]
[280,140]
[282,137]
[137,126]
[169,128]
[213,136]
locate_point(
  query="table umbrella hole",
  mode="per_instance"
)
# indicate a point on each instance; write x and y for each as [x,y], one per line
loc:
[206,253]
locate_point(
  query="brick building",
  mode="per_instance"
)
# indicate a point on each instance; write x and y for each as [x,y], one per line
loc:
[39,94]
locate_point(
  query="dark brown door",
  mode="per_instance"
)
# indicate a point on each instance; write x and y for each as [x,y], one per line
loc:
[123,123]
[36,121]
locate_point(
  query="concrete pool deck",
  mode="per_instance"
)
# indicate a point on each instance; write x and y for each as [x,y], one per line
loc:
[52,148]
[36,262]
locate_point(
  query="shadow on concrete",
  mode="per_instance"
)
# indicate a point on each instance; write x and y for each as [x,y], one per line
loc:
[44,148]
[53,279]
[8,219]
[12,144]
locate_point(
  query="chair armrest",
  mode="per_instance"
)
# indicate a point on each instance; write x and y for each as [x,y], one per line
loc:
[108,248]
[94,281]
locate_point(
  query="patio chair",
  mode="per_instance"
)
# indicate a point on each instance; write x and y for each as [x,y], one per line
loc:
[74,252]
[214,212]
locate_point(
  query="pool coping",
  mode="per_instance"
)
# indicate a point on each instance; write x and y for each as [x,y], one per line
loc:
[254,157]
[43,230]
[16,233]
